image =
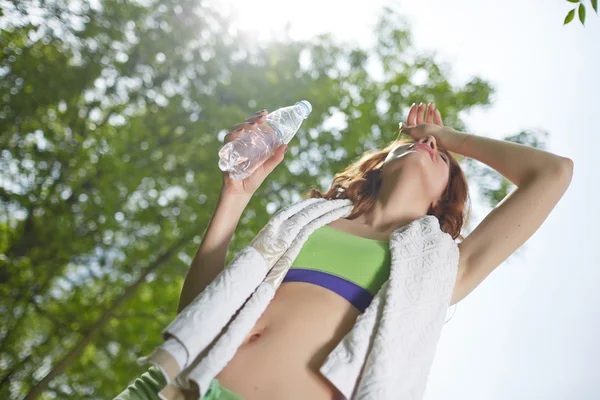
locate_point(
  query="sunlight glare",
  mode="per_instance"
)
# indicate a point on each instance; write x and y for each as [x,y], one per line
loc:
[267,19]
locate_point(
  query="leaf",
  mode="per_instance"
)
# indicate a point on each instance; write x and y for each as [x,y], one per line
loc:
[569,17]
[595,5]
[582,14]
[573,1]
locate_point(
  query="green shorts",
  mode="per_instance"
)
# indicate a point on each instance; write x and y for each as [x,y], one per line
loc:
[147,386]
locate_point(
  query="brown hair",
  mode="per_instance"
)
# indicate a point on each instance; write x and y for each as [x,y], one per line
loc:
[361,181]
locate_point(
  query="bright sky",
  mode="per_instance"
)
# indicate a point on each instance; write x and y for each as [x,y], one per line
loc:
[529,331]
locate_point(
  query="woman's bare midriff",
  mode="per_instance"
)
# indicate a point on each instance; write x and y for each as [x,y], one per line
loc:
[280,358]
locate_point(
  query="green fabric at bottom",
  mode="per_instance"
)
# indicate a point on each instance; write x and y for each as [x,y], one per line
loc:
[147,386]
[218,392]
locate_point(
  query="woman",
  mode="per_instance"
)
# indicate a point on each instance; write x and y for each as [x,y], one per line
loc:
[389,188]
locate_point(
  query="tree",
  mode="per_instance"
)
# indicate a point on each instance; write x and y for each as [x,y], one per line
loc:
[112,121]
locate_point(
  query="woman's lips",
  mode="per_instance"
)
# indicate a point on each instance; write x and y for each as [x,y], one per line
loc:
[426,148]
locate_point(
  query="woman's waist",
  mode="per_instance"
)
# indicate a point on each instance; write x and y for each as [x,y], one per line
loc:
[302,310]
[271,370]
[288,344]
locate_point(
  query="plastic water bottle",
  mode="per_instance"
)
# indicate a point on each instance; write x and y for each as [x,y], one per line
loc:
[243,155]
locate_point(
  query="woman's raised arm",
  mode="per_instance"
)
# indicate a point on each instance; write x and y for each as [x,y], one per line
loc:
[541,178]
[210,258]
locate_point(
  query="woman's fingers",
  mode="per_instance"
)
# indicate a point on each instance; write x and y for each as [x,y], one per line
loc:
[258,118]
[421,114]
[234,134]
[430,113]
[437,118]
[411,120]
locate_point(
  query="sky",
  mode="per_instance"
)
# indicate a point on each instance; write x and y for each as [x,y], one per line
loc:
[529,331]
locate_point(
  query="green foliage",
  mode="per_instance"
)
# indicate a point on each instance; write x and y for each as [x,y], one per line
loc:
[569,17]
[580,11]
[111,124]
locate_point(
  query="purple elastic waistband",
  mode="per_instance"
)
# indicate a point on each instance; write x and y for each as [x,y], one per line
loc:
[358,296]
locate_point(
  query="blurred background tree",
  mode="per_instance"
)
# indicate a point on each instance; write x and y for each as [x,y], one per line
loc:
[112,116]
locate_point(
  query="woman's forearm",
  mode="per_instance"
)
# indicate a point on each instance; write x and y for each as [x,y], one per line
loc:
[516,162]
[210,258]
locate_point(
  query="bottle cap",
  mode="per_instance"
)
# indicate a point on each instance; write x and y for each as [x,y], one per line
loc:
[308,106]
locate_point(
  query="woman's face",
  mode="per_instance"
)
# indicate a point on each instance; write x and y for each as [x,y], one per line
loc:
[432,165]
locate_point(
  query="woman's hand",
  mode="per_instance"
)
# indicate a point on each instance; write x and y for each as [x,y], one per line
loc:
[247,186]
[423,121]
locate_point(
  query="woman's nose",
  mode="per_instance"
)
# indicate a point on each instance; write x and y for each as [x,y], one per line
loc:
[429,141]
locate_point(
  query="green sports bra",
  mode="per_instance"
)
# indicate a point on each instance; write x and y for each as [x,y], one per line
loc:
[352,266]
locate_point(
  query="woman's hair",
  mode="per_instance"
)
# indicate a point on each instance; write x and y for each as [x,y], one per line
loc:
[361,182]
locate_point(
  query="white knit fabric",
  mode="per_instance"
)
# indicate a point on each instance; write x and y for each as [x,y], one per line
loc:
[389,351]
